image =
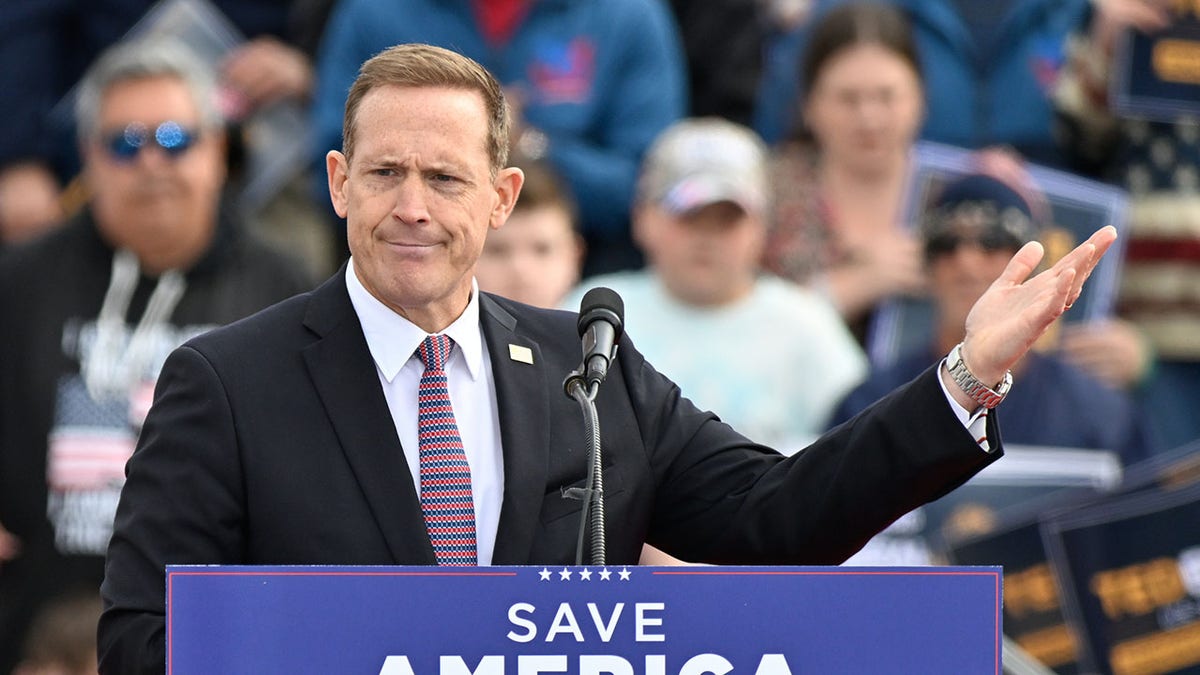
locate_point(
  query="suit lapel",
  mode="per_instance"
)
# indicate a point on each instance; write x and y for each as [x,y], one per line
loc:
[344,375]
[522,392]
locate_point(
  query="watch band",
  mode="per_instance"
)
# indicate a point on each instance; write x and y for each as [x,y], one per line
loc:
[978,391]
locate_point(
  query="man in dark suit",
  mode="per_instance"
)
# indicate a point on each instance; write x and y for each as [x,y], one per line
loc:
[292,437]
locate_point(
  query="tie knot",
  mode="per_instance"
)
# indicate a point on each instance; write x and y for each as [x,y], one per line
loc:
[434,351]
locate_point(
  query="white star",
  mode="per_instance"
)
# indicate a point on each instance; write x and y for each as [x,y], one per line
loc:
[624,574]
[605,574]
[544,574]
[564,574]
[585,574]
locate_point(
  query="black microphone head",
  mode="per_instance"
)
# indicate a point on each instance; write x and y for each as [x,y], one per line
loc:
[602,303]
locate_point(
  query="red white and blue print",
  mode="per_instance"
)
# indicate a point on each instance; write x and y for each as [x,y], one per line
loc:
[445,475]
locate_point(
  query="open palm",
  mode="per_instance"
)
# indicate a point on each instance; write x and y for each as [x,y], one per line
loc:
[1016,309]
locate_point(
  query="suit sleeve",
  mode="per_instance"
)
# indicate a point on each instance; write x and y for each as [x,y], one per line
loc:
[722,499]
[182,502]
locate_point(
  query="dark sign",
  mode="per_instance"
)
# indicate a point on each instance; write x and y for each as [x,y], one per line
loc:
[1157,76]
[1130,569]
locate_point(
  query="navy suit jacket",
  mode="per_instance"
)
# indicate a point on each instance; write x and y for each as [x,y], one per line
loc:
[270,442]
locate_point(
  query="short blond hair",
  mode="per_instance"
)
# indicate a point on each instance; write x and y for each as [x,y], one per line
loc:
[422,65]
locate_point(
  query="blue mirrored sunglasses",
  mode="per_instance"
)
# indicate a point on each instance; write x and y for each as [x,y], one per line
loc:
[125,144]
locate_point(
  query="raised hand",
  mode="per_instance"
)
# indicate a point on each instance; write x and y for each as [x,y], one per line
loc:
[1016,309]
[1113,16]
[266,70]
[29,201]
[1113,351]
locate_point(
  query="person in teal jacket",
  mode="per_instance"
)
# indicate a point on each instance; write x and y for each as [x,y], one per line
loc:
[594,81]
[989,70]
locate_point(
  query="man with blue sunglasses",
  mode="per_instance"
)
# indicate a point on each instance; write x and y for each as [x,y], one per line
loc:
[155,164]
[92,308]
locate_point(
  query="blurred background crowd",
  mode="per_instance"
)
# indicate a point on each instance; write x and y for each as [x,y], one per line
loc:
[743,172]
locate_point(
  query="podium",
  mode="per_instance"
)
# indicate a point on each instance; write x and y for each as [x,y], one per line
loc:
[586,620]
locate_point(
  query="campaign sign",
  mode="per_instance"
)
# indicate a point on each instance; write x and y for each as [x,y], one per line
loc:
[1130,570]
[1029,478]
[1157,76]
[585,620]
[1171,470]
[1077,208]
[1033,615]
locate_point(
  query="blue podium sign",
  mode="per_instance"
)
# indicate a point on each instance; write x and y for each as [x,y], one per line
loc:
[585,620]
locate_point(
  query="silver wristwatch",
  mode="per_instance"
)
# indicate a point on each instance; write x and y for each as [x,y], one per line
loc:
[978,391]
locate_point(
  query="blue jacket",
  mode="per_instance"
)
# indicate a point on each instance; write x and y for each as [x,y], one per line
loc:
[601,78]
[1051,404]
[975,97]
[45,47]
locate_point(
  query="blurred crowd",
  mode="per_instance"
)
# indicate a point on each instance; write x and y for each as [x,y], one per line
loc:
[740,171]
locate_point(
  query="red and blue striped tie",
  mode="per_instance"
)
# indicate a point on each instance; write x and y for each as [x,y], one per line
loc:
[445,476]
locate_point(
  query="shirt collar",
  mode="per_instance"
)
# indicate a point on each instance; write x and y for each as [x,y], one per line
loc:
[392,339]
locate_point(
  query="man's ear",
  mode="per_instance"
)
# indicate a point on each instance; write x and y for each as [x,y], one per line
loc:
[508,188]
[337,166]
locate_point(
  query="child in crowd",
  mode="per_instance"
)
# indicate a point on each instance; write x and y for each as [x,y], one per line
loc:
[767,355]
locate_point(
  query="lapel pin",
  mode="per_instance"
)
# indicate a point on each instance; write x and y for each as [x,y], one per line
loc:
[519,353]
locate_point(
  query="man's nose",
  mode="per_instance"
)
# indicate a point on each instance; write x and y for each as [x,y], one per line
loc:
[154,158]
[411,204]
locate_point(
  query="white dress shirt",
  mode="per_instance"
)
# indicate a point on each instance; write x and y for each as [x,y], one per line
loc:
[393,342]
[974,420]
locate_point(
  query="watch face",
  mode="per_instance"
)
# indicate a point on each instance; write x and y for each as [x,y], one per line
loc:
[956,356]
[1005,384]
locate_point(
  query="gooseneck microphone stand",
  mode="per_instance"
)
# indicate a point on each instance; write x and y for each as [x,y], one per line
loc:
[592,493]
[601,322]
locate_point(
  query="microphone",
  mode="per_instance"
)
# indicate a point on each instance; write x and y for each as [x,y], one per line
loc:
[601,322]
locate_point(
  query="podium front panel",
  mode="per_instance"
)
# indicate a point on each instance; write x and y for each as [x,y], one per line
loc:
[619,620]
